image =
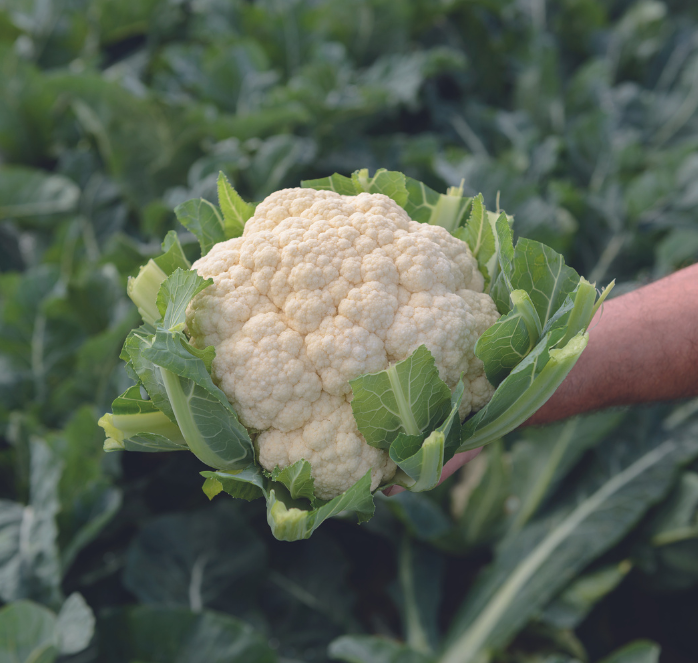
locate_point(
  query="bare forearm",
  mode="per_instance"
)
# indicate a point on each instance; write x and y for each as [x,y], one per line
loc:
[642,348]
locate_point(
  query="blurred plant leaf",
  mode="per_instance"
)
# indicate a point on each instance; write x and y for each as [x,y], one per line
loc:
[371,649]
[420,574]
[75,625]
[197,560]
[640,651]
[27,633]
[543,457]
[29,562]
[550,550]
[176,635]
[204,220]
[575,602]
[478,501]
[25,192]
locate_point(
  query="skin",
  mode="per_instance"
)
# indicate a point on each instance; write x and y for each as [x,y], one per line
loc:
[643,348]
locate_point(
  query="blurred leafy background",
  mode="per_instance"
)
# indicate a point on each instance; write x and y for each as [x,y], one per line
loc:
[575,542]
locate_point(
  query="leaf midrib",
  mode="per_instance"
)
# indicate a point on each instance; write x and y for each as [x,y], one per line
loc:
[406,415]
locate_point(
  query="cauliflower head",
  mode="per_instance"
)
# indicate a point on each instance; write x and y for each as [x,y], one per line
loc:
[322,288]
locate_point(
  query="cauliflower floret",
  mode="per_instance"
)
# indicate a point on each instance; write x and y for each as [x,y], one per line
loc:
[322,288]
[330,442]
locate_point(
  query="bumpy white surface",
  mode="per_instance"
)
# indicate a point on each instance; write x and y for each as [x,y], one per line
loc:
[322,288]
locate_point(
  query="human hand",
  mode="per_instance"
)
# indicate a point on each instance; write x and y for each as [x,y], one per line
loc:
[449,468]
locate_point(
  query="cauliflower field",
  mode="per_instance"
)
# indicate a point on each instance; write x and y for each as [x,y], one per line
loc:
[298,341]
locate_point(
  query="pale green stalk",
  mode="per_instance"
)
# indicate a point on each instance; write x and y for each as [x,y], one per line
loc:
[432,463]
[180,406]
[120,427]
[143,291]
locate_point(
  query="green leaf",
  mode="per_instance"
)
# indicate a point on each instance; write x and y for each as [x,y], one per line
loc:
[297,480]
[372,649]
[143,291]
[421,201]
[547,554]
[87,498]
[387,182]
[524,391]
[208,422]
[26,192]
[542,273]
[574,603]
[248,484]
[293,524]
[425,205]
[506,343]
[421,515]
[545,456]
[212,487]
[480,238]
[132,402]
[407,397]
[132,434]
[479,500]
[337,183]
[27,633]
[176,635]
[144,288]
[175,293]
[640,651]
[173,254]
[422,459]
[420,572]
[204,220]
[195,559]
[30,564]
[235,210]
[146,371]
[75,625]
[677,519]
[137,425]
[288,517]
[102,505]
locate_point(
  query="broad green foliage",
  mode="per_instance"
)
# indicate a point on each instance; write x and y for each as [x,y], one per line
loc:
[235,210]
[641,651]
[573,604]
[165,635]
[31,193]
[203,559]
[211,225]
[364,649]
[293,511]
[408,397]
[31,633]
[578,117]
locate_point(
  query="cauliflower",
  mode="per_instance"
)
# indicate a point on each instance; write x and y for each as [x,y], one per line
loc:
[322,288]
